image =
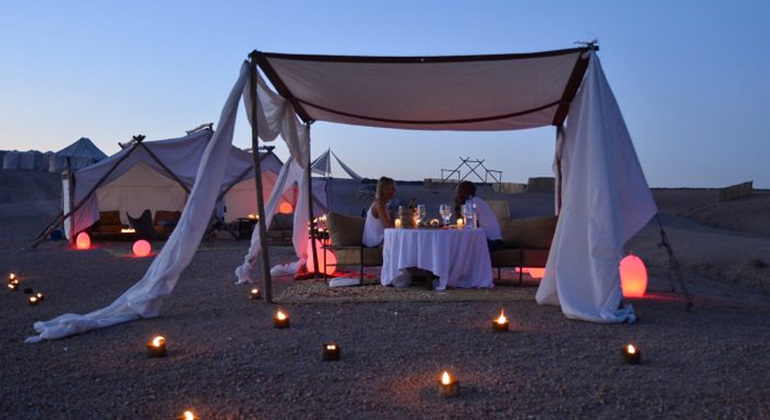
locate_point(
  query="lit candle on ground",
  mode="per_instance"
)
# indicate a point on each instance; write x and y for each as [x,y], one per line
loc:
[331,351]
[398,223]
[13,284]
[500,324]
[33,300]
[188,415]
[448,386]
[631,354]
[281,320]
[460,223]
[157,347]
[255,293]
[40,297]
[11,277]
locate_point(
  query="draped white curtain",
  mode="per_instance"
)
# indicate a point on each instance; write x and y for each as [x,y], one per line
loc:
[144,299]
[606,201]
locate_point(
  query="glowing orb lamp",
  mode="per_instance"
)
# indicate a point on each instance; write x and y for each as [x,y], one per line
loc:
[83,241]
[285,208]
[142,248]
[331,259]
[633,276]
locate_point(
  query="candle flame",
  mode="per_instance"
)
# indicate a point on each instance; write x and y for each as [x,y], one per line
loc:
[280,316]
[631,349]
[331,346]
[158,341]
[33,299]
[445,378]
[188,415]
[39,295]
[254,291]
[11,285]
[11,276]
[501,319]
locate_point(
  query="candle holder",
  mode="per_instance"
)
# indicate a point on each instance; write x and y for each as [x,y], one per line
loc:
[255,294]
[281,320]
[331,352]
[501,323]
[448,386]
[157,347]
[631,354]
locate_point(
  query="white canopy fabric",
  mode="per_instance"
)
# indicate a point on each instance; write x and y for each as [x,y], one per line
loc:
[606,201]
[139,182]
[479,93]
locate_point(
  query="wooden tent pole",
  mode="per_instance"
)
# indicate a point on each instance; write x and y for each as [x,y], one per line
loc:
[309,180]
[165,168]
[63,217]
[268,286]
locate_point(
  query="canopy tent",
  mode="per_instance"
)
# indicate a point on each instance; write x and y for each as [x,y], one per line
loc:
[158,175]
[81,153]
[322,165]
[605,197]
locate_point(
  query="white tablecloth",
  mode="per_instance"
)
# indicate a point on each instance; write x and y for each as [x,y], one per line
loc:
[459,258]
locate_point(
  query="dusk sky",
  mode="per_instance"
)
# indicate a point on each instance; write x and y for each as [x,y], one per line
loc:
[691,77]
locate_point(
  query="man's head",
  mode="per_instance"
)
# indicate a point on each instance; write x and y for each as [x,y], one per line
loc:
[464,190]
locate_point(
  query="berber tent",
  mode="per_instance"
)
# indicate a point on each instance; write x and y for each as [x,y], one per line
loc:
[79,154]
[604,197]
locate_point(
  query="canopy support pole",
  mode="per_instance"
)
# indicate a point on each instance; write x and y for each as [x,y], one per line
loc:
[268,286]
[309,180]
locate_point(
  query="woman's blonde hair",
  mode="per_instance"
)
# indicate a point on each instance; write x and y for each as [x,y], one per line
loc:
[382,185]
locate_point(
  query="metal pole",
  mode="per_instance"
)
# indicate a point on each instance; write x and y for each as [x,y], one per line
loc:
[268,286]
[309,181]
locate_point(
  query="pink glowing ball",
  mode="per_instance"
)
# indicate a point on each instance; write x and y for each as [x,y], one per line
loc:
[633,276]
[142,248]
[83,241]
[331,259]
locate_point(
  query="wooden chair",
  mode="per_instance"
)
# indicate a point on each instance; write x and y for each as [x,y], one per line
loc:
[346,233]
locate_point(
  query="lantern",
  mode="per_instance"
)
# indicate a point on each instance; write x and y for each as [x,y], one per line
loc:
[142,248]
[633,276]
[83,241]
[285,208]
[327,261]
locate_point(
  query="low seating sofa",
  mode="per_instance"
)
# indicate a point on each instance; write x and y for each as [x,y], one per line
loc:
[527,243]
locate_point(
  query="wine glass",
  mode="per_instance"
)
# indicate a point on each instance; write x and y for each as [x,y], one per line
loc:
[446,213]
[420,213]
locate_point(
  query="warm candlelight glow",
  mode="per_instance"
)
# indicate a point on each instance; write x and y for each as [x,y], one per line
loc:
[39,296]
[460,223]
[280,316]
[631,354]
[253,216]
[12,286]
[188,415]
[158,341]
[11,277]
[501,319]
[33,300]
[398,223]
[445,378]
[127,230]
[631,349]
[255,293]
[330,347]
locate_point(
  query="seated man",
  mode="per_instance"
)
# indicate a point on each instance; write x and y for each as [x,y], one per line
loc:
[466,193]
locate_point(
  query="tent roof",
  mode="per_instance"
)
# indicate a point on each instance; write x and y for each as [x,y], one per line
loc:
[479,93]
[82,148]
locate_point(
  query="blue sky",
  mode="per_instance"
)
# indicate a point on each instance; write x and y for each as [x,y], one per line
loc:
[690,76]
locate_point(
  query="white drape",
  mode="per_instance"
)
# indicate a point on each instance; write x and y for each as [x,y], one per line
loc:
[606,201]
[144,299]
[276,116]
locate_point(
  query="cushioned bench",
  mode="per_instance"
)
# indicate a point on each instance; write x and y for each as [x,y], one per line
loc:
[527,243]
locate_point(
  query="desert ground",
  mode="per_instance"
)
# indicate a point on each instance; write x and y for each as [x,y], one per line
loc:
[226,360]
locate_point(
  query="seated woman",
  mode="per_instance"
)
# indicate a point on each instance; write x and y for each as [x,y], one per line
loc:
[377,217]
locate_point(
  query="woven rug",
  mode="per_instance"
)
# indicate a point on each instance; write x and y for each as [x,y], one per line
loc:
[311,291]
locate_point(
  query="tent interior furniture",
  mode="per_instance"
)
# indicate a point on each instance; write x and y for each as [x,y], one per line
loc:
[527,243]
[165,221]
[143,225]
[108,225]
[281,229]
[346,233]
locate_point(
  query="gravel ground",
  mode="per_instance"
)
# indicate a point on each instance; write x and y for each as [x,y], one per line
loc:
[226,360]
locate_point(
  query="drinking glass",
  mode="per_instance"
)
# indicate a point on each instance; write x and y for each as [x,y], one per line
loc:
[420,213]
[446,213]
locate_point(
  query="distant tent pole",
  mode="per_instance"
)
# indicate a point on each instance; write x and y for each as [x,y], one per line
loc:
[258,179]
[309,180]
[62,217]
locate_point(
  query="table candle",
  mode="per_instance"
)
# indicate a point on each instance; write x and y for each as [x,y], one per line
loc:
[188,415]
[331,352]
[500,324]
[255,293]
[398,223]
[11,277]
[157,347]
[281,320]
[14,285]
[40,297]
[33,300]
[460,223]
[448,386]
[631,354]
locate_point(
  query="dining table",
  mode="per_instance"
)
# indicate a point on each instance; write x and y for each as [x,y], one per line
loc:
[457,257]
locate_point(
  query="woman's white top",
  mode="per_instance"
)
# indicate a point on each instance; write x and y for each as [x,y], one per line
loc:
[374,231]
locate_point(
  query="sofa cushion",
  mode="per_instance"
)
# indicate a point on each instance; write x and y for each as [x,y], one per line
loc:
[345,230]
[166,218]
[535,232]
[111,217]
